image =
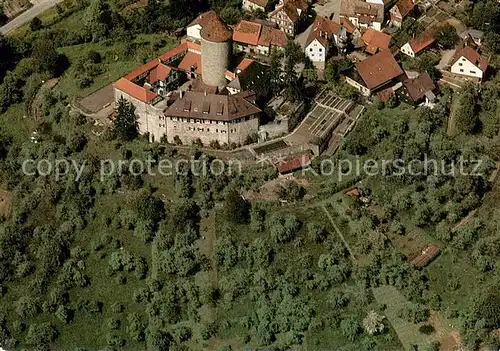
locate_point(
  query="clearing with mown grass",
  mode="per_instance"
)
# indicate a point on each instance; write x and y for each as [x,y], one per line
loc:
[407,332]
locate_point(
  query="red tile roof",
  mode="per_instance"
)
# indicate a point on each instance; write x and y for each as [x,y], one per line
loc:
[156,70]
[289,8]
[293,163]
[230,74]
[378,69]
[272,36]
[375,40]
[134,90]
[300,4]
[417,87]
[322,30]
[142,69]
[349,27]
[215,31]
[190,60]
[404,7]
[362,10]
[243,65]
[385,94]
[247,32]
[158,73]
[193,46]
[165,57]
[204,18]
[422,41]
[473,56]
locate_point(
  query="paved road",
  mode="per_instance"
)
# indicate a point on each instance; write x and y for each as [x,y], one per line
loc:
[39,6]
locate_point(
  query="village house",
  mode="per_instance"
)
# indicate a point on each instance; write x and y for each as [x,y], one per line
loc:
[323,35]
[418,90]
[288,15]
[255,5]
[399,11]
[418,43]
[255,38]
[362,14]
[374,73]
[375,41]
[474,35]
[468,63]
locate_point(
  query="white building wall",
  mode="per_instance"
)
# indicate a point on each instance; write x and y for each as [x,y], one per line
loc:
[466,68]
[375,25]
[407,50]
[316,51]
[250,6]
[362,89]
[194,31]
[191,129]
[150,119]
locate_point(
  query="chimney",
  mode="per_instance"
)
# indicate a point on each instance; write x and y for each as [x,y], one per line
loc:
[205,93]
[181,94]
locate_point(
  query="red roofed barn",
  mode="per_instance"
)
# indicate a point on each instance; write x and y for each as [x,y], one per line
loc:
[374,73]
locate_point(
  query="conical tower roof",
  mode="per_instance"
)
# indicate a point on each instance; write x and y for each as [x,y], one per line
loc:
[216,31]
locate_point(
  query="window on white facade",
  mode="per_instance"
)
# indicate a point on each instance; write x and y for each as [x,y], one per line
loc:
[320,49]
[311,49]
[461,70]
[473,72]
[460,64]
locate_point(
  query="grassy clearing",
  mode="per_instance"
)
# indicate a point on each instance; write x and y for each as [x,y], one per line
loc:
[407,332]
[453,276]
[117,61]
[15,123]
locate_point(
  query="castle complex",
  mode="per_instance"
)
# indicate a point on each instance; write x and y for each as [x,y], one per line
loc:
[182,94]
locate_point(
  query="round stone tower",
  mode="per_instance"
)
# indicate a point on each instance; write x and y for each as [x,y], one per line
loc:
[215,52]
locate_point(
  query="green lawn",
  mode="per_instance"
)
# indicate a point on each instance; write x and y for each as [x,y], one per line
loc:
[15,123]
[117,61]
[407,332]
[455,278]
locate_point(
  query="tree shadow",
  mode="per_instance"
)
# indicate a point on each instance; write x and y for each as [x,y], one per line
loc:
[62,64]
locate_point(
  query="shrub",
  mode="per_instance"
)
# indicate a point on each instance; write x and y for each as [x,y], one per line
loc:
[113,323]
[36,24]
[283,228]
[373,323]
[426,329]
